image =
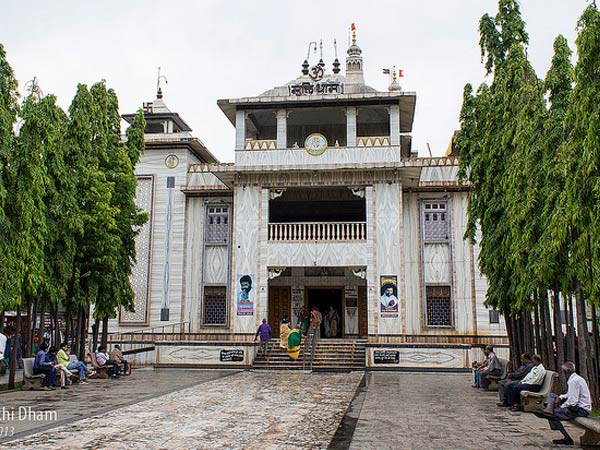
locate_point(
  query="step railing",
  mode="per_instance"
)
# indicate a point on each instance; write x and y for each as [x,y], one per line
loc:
[309,348]
[318,231]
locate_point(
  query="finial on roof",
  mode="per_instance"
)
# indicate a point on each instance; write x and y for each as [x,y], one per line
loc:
[336,61]
[305,64]
[159,93]
[353,28]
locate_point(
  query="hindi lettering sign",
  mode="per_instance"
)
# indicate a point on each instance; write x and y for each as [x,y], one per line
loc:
[307,88]
[236,355]
[386,357]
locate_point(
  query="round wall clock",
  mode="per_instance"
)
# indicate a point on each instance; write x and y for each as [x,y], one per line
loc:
[315,144]
[171,161]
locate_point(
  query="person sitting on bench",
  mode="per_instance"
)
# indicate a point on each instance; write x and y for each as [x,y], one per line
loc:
[103,359]
[63,358]
[576,402]
[490,367]
[532,382]
[117,355]
[42,366]
[516,376]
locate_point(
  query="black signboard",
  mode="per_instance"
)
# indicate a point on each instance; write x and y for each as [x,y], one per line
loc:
[386,357]
[236,355]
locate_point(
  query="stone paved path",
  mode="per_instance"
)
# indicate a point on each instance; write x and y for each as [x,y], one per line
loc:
[433,411]
[249,410]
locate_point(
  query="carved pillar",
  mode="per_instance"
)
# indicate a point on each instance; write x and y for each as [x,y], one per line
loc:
[281,128]
[240,129]
[394,125]
[351,114]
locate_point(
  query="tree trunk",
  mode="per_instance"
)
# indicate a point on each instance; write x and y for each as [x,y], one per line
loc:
[83,334]
[14,363]
[32,324]
[538,338]
[544,334]
[57,338]
[104,331]
[95,332]
[42,327]
[559,338]
[78,344]
[549,345]
[571,349]
[68,325]
[584,345]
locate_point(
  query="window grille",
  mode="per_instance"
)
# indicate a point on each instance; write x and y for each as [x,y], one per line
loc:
[215,305]
[435,221]
[217,225]
[494,316]
[439,308]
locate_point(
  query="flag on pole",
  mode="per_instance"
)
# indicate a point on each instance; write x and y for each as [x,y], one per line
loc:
[353,27]
[400,73]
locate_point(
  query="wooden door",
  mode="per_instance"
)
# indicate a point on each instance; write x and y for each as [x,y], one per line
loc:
[363,328]
[279,306]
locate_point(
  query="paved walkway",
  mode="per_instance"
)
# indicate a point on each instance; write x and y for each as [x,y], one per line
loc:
[97,397]
[433,411]
[186,409]
[248,410]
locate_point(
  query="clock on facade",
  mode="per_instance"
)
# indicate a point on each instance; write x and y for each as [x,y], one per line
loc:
[315,144]
[171,161]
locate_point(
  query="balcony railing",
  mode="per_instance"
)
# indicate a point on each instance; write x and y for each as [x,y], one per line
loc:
[318,231]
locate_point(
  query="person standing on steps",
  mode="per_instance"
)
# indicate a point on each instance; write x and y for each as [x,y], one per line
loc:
[265,333]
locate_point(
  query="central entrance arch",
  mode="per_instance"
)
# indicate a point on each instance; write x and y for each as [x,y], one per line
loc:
[325,298]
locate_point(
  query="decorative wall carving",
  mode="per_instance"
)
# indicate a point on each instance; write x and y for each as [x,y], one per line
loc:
[140,275]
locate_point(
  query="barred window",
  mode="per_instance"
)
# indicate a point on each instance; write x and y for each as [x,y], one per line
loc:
[494,316]
[217,225]
[435,221]
[215,305]
[439,307]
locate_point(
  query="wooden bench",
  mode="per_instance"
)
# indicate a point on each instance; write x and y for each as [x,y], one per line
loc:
[591,425]
[31,381]
[534,401]
[494,379]
[103,371]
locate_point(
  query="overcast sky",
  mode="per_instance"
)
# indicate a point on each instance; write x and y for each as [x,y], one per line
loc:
[227,49]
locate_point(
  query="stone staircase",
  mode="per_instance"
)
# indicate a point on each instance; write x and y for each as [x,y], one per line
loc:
[331,355]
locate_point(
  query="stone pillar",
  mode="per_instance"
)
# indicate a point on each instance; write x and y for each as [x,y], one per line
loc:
[351,114]
[240,129]
[394,125]
[281,128]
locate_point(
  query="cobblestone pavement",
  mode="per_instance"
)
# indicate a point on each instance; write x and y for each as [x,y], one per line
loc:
[433,411]
[81,401]
[248,410]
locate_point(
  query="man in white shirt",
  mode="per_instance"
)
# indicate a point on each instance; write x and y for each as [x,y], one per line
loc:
[2,347]
[532,382]
[577,402]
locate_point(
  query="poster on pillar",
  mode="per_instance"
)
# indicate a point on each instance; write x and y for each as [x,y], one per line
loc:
[351,319]
[297,304]
[245,295]
[388,302]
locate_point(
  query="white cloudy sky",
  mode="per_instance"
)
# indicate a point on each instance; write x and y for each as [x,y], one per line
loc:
[226,49]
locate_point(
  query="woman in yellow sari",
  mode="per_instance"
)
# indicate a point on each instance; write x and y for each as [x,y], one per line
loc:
[294,340]
[284,332]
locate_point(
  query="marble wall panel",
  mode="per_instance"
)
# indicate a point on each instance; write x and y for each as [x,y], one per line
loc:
[424,358]
[294,157]
[436,263]
[200,355]
[215,264]
[388,222]
[246,226]
[332,254]
[412,263]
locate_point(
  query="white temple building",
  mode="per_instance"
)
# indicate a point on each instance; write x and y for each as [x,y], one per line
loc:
[325,205]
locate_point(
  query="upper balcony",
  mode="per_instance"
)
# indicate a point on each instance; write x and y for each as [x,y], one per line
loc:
[348,134]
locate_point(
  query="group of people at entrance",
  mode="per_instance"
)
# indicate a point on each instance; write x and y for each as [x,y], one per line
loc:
[576,402]
[290,337]
[330,322]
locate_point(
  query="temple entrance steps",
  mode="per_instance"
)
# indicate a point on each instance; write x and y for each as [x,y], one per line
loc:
[331,355]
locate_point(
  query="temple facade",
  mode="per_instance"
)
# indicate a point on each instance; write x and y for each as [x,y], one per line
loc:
[325,205]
